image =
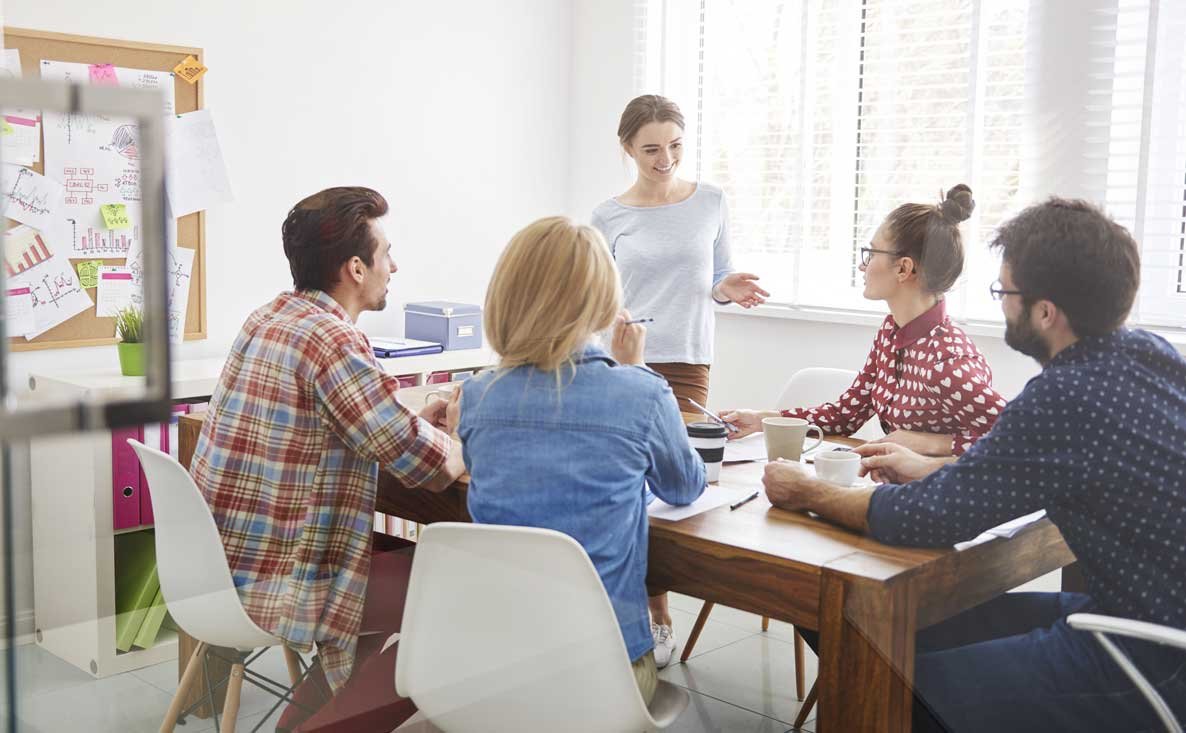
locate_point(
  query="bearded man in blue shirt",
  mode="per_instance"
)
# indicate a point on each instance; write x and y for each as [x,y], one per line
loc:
[1098,440]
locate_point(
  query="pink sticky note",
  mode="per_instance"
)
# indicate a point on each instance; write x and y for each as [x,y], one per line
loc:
[103,74]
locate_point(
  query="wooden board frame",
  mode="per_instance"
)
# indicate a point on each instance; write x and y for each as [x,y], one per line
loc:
[85,329]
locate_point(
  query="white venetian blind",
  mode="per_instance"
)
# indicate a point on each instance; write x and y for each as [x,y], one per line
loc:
[1141,78]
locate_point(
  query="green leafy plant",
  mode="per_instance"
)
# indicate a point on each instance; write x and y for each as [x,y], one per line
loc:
[129,325]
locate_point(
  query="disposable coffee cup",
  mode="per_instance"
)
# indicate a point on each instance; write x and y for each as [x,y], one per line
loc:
[708,438]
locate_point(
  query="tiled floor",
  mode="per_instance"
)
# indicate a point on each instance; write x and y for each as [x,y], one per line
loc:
[740,679]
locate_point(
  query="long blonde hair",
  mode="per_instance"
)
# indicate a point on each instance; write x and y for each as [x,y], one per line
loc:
[554,286]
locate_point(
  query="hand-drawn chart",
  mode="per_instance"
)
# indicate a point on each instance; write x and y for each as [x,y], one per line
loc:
[30,198]
[179,272]
[56,293]
[98,160]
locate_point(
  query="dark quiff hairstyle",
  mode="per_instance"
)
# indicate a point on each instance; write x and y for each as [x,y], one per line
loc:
[328,228]
[929,234]
[1071,253]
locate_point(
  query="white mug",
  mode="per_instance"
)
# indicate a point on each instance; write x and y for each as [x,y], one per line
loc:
[838,467]
[445,394]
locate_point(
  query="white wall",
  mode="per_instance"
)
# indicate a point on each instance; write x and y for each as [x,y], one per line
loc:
[457,112]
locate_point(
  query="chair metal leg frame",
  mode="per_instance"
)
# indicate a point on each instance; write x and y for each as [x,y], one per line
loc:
[1155,699]
[265,683]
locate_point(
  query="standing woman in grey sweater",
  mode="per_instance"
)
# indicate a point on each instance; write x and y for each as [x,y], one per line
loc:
[670,238]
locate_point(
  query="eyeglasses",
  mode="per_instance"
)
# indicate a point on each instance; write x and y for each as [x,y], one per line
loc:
[868,252]
[998,291]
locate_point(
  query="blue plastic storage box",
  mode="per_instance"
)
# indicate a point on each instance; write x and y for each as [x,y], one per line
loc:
[453,325]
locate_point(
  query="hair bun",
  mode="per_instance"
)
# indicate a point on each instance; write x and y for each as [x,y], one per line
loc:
[958,205]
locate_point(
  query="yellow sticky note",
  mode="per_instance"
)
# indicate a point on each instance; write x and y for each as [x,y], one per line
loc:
[189,69]
[115,216]
[88,273]
[5,128]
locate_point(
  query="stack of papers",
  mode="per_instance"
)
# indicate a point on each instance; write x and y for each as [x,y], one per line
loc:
[1006,530]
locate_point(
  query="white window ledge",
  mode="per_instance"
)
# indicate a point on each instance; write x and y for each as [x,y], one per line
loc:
[1175,336]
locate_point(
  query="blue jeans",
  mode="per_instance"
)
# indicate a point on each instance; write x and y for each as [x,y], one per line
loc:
[1014,664]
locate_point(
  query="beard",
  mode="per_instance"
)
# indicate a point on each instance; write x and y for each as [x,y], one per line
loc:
[1021,336]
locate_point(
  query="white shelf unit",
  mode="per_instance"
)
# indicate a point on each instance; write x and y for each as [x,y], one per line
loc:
[73,539]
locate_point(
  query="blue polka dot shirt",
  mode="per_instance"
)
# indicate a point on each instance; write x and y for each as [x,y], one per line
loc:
[1098,440]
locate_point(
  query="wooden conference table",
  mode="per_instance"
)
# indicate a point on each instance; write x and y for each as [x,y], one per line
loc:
[866,599]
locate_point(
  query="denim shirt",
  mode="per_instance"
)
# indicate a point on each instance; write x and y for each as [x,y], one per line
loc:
[577,459]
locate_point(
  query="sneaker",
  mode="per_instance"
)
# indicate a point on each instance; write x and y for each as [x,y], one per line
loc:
[664,644]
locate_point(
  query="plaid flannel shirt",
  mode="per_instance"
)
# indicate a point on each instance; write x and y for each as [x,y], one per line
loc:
[288,458]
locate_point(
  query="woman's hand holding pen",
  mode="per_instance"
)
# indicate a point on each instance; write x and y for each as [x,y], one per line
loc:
[629,340]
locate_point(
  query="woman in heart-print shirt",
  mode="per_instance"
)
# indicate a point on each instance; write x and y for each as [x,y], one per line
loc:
[924,379]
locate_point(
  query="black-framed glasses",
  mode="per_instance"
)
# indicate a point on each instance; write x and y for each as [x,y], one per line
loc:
[868,252]
[998,291]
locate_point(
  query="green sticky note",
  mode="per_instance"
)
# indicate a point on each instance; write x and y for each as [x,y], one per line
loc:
[115,216]
[88,273]
[5,128]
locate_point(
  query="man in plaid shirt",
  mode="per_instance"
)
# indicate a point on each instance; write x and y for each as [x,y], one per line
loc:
[298,427]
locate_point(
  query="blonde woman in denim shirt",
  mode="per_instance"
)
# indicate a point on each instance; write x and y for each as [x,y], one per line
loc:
[562,435]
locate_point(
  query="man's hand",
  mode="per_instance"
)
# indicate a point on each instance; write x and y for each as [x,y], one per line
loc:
[434,412]
[788,486]
[927,444]
[630,340]
[895,464]
[740,288]
[747,422]
[450,471]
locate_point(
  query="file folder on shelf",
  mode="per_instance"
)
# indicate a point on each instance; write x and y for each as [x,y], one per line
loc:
[125,478]
[136,584]
[146,637]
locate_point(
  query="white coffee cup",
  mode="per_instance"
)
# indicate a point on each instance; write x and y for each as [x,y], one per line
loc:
[838,467]
[445,393]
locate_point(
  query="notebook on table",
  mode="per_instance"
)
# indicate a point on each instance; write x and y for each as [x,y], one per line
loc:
[386,348]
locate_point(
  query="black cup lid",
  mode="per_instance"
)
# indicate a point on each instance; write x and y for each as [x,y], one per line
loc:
[706,430]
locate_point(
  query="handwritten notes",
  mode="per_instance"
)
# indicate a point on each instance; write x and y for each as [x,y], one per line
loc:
[88,272]
[103,75]
[18,311]
[115,216]
[115,291]
[195,175]
[190,69]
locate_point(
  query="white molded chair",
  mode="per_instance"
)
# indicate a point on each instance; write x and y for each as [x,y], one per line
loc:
[510,629]
[817,385]
[198,591]
[1102,626]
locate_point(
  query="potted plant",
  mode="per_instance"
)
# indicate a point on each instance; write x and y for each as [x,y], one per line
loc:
[129,326]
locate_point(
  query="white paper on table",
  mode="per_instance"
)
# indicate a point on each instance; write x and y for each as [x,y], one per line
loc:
[179,273]
[1005,531]
[18,310]
[97,159]
[195,173]
[56,293]
[753,448]
[114,292]
[31,198]
[713,497]
[23,144]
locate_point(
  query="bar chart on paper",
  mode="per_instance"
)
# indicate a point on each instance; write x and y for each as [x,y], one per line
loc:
[99,242]
[24,249]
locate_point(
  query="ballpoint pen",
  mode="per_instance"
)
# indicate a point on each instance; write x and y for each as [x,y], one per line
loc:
[640,320]
[728,426]
[749,498]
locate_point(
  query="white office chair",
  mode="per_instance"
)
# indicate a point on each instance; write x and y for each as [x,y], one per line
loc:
[199,593]
[510,629]
[1102,626]
[817,385]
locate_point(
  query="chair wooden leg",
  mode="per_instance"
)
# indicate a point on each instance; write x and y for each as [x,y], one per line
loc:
[230,708]
[765,623]
[696,629]
[187,681]
[799,665]
[294,665]
[805,708]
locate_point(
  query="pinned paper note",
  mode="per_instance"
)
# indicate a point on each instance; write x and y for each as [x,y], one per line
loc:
[18,310]
[31,198]
[195,174]
[115,216]
[6,128]
[115,291]
[190,69]
[103,74]
[88,273]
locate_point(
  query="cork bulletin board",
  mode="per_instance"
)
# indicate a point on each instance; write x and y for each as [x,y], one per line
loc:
[86,329]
